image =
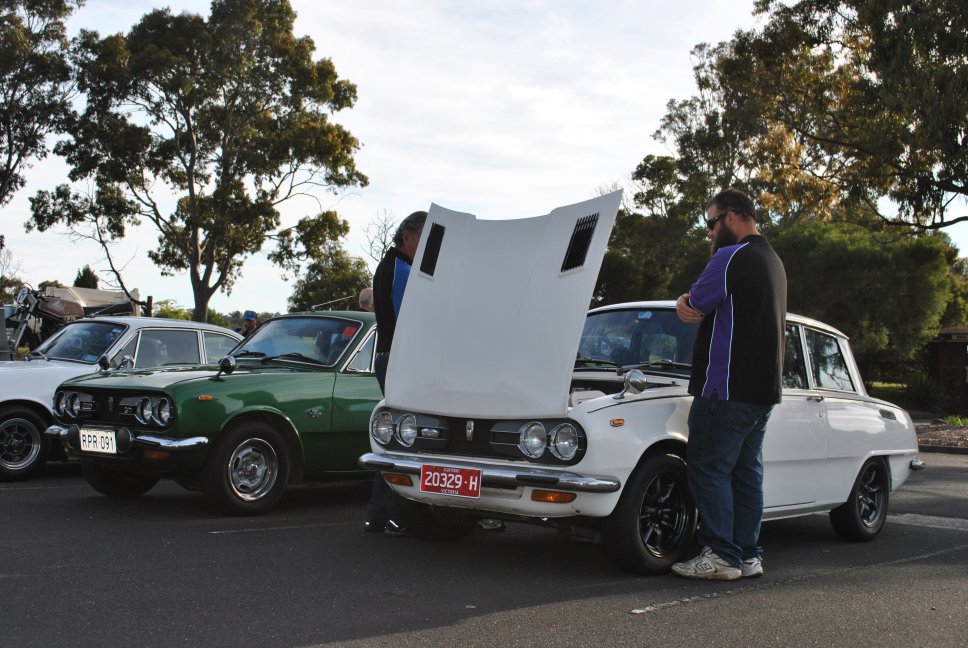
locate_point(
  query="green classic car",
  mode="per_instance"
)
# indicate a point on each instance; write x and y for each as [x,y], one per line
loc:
[291,403]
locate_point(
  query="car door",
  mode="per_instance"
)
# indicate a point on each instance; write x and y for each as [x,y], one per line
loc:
[355,395]
[852,420]
[795,446]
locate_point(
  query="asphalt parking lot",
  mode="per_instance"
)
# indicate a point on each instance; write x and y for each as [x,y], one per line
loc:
[164,570]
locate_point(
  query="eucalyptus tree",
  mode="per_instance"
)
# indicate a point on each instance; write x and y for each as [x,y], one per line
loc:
[201,129]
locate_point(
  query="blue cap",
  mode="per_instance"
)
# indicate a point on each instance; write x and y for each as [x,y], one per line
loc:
[249,315]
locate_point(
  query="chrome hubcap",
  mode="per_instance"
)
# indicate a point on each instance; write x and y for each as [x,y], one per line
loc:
[252,469]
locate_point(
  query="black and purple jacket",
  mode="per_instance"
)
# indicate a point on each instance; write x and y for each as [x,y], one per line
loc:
[738,353]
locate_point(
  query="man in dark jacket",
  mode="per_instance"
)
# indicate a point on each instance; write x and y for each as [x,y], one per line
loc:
[739,301]
[389,283]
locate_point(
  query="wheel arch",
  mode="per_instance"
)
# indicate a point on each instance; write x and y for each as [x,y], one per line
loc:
[41,410]
[284,426]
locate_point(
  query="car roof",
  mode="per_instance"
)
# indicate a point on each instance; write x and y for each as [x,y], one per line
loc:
[146,322]
[668,303]
[363,316]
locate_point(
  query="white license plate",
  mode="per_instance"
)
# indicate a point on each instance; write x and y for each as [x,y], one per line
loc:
[98,440]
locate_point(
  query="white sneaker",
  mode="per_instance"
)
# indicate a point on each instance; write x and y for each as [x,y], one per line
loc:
[752,568]
[707,565]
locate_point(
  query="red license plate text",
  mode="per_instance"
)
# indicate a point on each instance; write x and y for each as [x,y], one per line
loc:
[460,482]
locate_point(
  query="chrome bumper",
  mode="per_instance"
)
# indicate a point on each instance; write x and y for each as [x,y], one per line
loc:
[492,475]
[917,464]
[71,434]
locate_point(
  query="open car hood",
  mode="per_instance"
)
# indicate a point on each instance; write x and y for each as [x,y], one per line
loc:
[493,311]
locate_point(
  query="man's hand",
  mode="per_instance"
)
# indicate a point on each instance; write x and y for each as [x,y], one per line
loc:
[687,313]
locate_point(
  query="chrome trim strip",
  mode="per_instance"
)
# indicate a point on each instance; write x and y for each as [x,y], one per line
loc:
[496,475]
[166,443]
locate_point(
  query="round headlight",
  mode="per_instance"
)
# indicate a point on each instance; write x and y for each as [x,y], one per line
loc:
[72,404]
[59,400]
[533,440]
[407,429]
[381,427]
[163,411]
[564,442]
[143,412]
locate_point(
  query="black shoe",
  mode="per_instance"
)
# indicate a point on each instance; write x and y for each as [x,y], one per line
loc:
[395,529]
[373,527]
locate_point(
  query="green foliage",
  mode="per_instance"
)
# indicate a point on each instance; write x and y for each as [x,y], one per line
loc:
[954,419]
[169,309]
[230,113]
[49,283]
[86,278]
[35,84]
[924,393]
[888,296]
[333,276]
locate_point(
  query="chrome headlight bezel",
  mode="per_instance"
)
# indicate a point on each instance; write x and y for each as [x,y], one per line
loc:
[72,404]
[60,401]
[381,428]
[565,441]
[162,412]
[533,439]
[406,430]
[143,411]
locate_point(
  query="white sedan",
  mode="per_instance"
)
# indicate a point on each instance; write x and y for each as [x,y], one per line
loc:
[508,401]
[27,387]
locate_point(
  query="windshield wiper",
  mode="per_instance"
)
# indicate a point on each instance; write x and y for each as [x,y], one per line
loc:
[602,361]
[37,354]
[294,355]
[666,364]
[245,353]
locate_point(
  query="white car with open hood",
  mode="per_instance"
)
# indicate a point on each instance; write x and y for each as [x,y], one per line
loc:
[505,399]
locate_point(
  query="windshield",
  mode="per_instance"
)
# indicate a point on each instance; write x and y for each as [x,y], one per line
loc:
[636,336]
[82,341]
[320,340]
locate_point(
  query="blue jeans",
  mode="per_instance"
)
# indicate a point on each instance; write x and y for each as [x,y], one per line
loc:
[725,470]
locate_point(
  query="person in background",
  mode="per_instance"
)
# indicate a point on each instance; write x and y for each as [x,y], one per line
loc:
[249,323]
[389,283]
[366,300]
[739,302]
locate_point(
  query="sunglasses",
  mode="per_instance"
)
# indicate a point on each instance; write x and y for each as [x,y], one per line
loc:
[711,222]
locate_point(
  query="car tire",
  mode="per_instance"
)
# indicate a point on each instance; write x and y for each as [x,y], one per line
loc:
[247,471]
[433,522]
[863,515]
[116,483]
[24,445]
[654,522]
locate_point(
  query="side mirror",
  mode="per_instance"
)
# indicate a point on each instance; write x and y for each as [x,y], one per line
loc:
[225,366]
[635,383]
[103,363]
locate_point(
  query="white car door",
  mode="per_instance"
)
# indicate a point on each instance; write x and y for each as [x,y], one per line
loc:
[795,447]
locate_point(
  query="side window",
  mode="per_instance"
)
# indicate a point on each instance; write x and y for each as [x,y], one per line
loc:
[794,369]
[217,346]
[827,361]
[127,350]
[160,348]
[363,359]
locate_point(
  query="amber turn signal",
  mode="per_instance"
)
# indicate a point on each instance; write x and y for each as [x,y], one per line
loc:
[397,479]
[156,454]
[553,497]
[205,397]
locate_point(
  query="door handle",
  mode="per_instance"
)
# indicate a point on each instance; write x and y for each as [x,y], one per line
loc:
[815,399]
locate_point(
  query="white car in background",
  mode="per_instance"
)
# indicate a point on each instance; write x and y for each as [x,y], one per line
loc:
[506,400]
[83,347]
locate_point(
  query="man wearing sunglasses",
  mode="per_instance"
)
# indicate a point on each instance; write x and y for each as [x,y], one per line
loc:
[739,302]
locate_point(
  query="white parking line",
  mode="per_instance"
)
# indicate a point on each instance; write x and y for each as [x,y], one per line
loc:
[931,521]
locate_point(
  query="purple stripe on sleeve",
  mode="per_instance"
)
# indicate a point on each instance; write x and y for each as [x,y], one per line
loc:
[710,288]
[720,351]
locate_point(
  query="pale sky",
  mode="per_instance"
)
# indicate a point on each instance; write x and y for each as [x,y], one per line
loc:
[500,108]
